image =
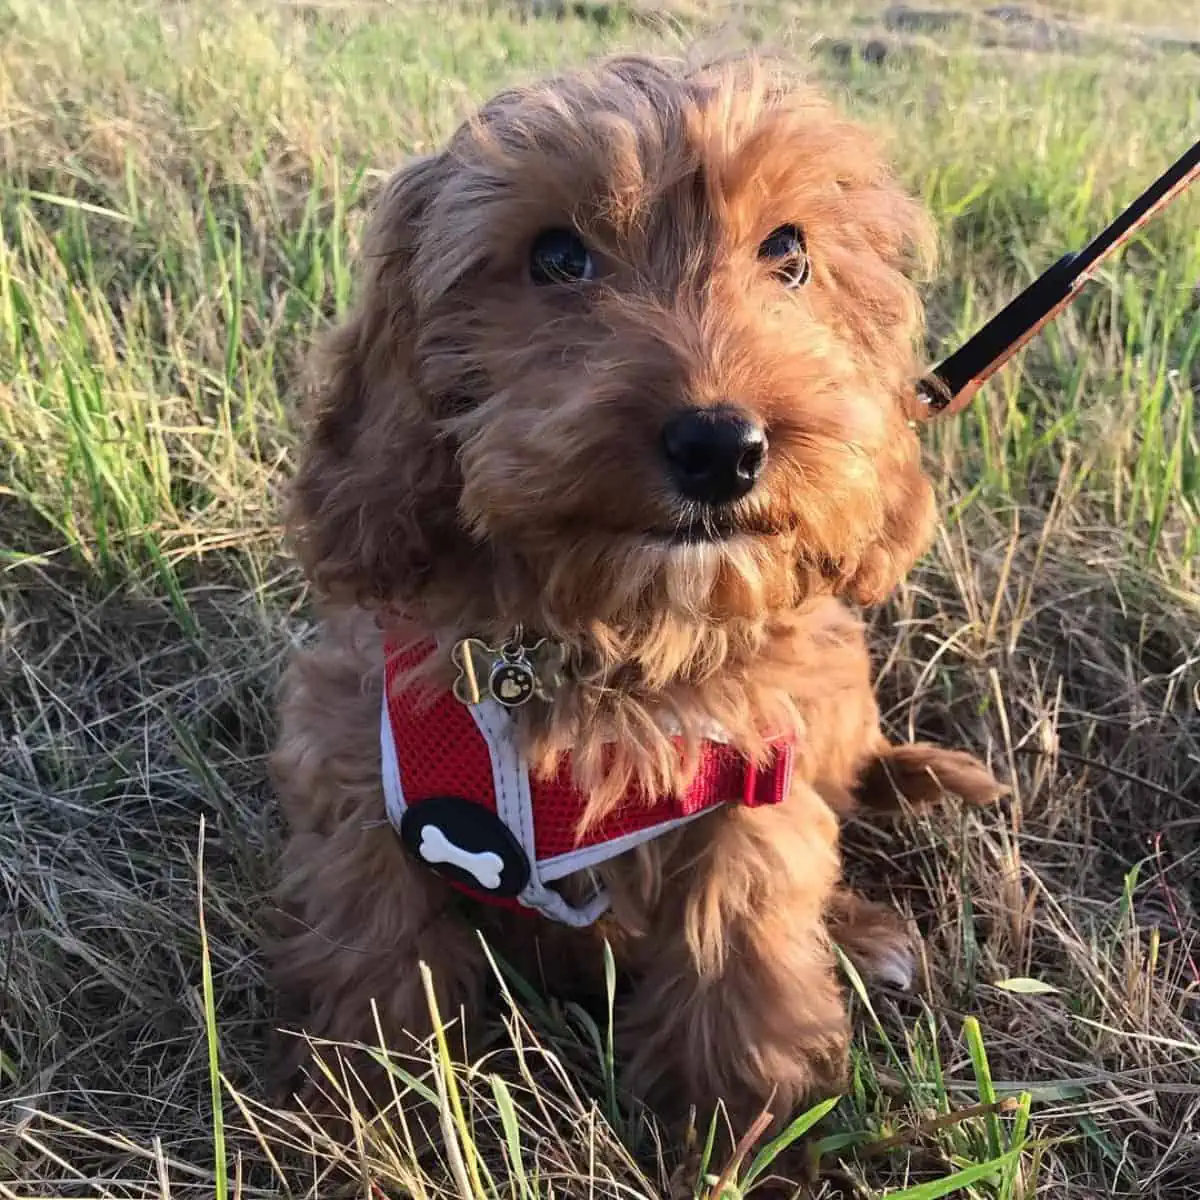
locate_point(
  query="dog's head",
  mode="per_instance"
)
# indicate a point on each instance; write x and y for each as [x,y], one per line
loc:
[639,342]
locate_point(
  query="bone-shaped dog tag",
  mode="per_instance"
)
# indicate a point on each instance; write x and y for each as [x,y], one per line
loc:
[475,661]
[485,866]
[465,842]
[511,674]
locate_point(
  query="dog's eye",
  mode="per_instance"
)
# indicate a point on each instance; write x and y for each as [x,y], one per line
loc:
[559,256]
[786,249]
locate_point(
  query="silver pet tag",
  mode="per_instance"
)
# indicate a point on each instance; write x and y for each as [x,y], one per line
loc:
[512,681]
[510,675]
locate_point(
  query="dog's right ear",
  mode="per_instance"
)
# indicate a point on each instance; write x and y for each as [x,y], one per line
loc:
[376,485]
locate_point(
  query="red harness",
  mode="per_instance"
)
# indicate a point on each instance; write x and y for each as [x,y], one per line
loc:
[465,802]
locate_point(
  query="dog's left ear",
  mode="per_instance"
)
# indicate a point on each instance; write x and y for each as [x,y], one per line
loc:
[373,501]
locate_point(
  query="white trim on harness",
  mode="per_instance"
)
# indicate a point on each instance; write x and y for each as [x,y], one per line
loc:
[514,807]
[561,865]
[393,786]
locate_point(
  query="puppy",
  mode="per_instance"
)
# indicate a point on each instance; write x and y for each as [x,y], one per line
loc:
[620,423]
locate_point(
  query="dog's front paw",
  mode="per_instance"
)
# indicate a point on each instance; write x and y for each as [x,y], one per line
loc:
[890,961]
[875,939]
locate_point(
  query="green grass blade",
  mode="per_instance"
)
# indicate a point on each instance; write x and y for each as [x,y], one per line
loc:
[705,1166]
[777,1145]
[459,1140]
[983,1080]
[610,1054]
[956,1182]
[511,1126]
[220,1165]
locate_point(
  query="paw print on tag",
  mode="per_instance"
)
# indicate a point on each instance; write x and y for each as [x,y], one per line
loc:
[511,683]
[509,674]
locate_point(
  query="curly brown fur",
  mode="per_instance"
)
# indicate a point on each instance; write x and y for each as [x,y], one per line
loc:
[485,453]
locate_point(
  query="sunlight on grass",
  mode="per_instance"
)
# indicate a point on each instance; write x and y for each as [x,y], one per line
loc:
[471,1130]
[158,291]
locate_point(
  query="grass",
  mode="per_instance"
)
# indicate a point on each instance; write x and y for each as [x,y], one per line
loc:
[182,189]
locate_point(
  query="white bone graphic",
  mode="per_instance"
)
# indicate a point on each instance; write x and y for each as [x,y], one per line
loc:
[485,866]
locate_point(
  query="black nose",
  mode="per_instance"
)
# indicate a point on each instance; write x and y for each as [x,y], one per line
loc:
[715,455]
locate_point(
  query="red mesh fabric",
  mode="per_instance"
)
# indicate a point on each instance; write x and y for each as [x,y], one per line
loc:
[723,776]
[439,748]
[442,753]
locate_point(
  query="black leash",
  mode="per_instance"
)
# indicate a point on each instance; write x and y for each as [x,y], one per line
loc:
[951,385]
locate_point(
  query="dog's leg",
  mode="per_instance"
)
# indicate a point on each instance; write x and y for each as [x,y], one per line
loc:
[356,915]
[357,920]
[874,936]
[920,775]
[738,999]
